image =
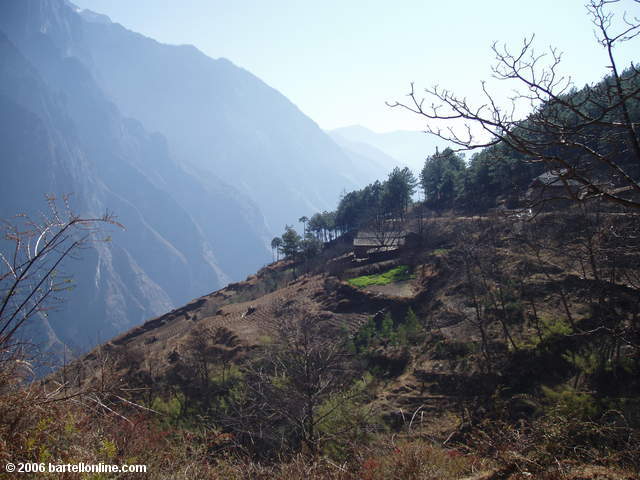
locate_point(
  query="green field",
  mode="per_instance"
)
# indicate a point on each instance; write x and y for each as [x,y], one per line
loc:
[397,274]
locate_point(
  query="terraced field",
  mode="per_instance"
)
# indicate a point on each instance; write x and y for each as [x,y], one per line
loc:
[251,314]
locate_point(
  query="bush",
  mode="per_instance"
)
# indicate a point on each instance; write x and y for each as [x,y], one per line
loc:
[418,460]
[449,350]
[570,403]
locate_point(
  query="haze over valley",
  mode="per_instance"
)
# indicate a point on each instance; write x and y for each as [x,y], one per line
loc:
[320,240]
[201,161]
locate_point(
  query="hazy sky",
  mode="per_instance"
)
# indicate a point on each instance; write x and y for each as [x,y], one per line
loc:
[340,60]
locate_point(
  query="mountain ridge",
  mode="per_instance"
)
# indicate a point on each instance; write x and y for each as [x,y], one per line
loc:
[201,160]
[220,118]
[408,147]
[109,162]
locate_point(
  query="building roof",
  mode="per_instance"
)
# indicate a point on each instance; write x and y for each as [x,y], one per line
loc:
[555,179]
[373,239]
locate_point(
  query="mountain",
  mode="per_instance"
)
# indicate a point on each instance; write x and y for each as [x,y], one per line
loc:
[220,119]
[365,152]
[409,148]
[490,347]
[477,343]
[199,159]
[185,234]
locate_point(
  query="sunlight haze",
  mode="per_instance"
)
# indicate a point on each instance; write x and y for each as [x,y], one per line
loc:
[340,61]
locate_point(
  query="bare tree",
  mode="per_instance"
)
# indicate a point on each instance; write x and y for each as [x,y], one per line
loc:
[202,368]
[588,138]
[32,254]
[300,383]
[31,275]
[387,230]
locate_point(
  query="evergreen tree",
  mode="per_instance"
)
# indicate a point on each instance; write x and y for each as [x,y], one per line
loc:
[276,243]
[386,326]
[291,242]
[411,326]
[310,246]
[399,187]
[303,220]
[441,178]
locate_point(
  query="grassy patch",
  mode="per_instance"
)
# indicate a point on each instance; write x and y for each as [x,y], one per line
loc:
[396,274]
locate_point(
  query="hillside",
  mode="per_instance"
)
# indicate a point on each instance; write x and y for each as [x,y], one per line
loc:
[478,321]
[508,314]
[198,176]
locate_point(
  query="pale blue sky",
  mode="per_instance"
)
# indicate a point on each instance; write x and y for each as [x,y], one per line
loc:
[339,60]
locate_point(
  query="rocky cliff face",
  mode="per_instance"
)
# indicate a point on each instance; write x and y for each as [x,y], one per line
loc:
[185,235]
[221,119]
[181,147]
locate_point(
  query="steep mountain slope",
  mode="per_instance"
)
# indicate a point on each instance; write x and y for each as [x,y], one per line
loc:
[407,147]
[253,309]
[60,134]
[517,353]
[220,118]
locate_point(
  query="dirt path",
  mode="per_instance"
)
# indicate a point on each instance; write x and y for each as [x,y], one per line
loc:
[404,289]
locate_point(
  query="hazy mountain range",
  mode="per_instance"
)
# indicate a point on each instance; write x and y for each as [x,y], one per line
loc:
[407,148]
[62,134]
[200,160]
[221,119]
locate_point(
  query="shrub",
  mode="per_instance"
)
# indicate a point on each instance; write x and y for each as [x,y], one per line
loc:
[417,460]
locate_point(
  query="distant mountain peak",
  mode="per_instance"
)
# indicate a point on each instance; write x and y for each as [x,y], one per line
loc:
[361,129]
[91,16]
[408,147]
[353,128]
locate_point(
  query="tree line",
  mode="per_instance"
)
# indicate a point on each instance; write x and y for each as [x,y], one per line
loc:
[586,138]
[380,201]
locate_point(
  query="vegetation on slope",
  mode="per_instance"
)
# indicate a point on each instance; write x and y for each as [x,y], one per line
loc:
[517,354]
[396,274]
